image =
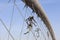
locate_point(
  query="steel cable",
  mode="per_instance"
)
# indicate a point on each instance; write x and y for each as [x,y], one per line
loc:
[7,29]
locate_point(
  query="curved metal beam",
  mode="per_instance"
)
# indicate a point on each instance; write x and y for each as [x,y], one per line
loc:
[36,7]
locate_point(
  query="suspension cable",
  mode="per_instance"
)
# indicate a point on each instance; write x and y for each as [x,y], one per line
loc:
[11,19]
[21,14]
[19,11]
[13,12]
[22,17]
[41,31]
[34,35]
[7,29]
[37,23]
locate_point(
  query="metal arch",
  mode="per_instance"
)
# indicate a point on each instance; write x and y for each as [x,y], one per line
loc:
[36,7]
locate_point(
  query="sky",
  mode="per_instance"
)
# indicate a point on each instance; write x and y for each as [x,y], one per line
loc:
[51,7]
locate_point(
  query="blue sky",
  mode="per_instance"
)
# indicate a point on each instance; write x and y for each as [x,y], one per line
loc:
[51,7]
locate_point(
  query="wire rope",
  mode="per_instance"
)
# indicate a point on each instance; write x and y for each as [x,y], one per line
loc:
[11,20]
[7,29]
[19,12]
[22,17]
[34,35]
